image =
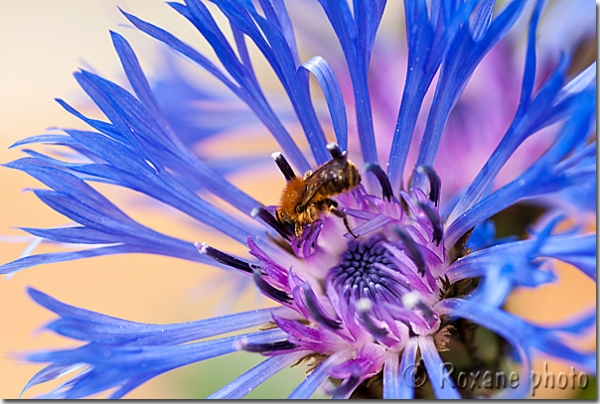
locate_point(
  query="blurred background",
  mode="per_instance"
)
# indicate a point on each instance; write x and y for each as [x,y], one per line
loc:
[41,43]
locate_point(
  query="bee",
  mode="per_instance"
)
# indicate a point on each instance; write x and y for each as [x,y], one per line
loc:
[305,199]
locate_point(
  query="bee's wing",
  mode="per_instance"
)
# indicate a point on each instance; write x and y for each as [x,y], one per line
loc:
[320,178]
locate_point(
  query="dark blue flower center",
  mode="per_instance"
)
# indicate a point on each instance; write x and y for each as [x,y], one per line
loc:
[359,273]
[357,263]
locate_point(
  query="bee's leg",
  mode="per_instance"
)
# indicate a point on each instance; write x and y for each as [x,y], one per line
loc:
[299,229]
[333,209]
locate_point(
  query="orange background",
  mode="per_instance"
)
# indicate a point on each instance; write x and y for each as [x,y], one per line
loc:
[41,42]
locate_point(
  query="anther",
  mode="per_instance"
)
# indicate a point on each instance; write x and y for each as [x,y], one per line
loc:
[334,150]
[269,290]
[224,258]
[271,221]
[438,230]
[412,300]
[384,181]
[270,347]
[434,183]
[364,307]
[284,166]
[315,311]
[413,250]
[347,386]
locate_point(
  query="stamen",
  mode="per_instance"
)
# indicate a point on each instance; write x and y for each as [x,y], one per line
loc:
[315,310]
[413,250]
[364,306]
[270,347]
[347,386]
[427,311]
[434,183]
[269,290]
[284,166]
[412,300]
[386,187]
[438,230]
[271,221]
[226,259]
[334,150]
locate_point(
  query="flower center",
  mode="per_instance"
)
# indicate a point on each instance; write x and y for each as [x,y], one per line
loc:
[364,271]
[384,289]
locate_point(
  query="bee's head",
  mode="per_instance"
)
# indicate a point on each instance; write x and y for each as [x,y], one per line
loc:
[286,222]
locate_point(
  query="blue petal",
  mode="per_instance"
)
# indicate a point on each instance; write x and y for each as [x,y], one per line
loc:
[462,58]
[356,36]
[580,252]
[136,77]
[517,259]
[548,106]
[125,354]
[530,60]
[190,254]
[333,95]
[582,81]
[258,105]
[544,176]
[87,325]
[523,334]
[275,50]
[162,186]
[399,381]
[427,47]
[318,376]
[103,223]
[47,139]
[150,134]
[442,384]
[392,380]
[128,366]
[282,17]
[51,372]
[247,382]
[482,19]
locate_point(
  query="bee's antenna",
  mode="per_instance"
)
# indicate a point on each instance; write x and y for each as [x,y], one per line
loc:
[335,151]
[284,166]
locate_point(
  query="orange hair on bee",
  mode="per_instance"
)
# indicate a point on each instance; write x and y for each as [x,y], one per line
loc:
[292,196]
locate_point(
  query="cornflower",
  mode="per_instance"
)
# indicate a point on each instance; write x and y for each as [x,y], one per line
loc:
[385,291]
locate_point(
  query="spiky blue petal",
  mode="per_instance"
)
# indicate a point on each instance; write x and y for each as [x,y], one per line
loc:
[356,34]
[333,95]
[545,176]
[524,334]
[86,325]
[318,376]
[519,259]
[241,386]
[124,354]
[442,386]
[427,46]
[464,55]
[254,98]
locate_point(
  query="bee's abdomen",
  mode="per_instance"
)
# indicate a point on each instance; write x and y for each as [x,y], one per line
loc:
[348,179]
